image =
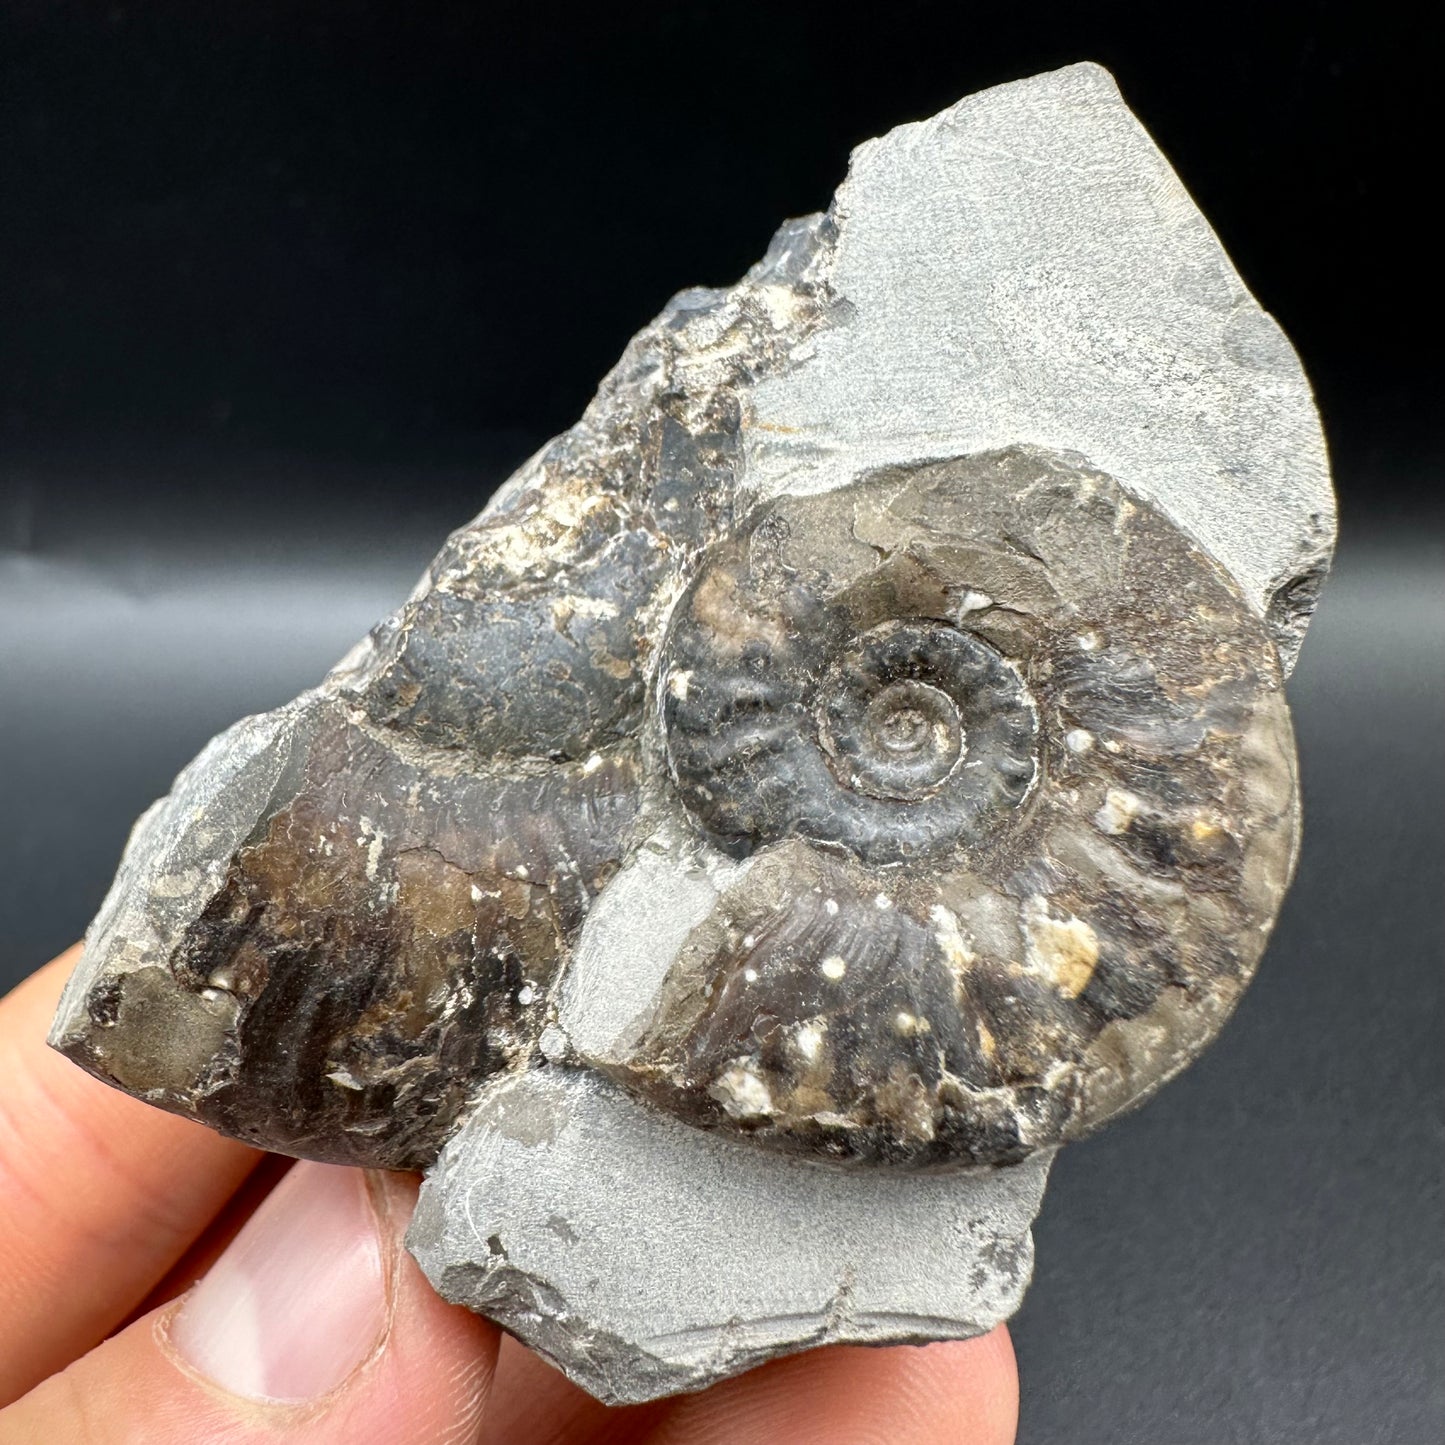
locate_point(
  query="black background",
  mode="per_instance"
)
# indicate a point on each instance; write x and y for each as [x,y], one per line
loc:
[287,288]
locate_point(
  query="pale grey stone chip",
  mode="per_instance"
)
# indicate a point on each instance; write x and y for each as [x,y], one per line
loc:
[646,1258]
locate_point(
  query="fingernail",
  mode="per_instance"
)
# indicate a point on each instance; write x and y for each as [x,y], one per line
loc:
[298,1300]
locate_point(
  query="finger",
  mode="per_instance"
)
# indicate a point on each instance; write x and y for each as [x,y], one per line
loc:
[314,1325]
[205,1251]
[962,1393]
[99,1193]
[534,1401]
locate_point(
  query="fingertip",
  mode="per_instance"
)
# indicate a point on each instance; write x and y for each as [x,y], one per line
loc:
[300,1299]
[100,1194]
[980,1378]
[948,1393]
[314,1324]
[440,1359]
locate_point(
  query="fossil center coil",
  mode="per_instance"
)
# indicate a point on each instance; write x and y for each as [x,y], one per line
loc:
[890,739]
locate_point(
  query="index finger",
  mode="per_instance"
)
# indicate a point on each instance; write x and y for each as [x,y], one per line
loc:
[99,1194]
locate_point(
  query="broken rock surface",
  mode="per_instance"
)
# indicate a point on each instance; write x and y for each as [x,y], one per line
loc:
[547,1214]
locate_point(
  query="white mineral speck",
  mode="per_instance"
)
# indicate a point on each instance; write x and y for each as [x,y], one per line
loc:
[833,967]
[1119,810]
[742,1093]
[1065,950]
[957,953]
[372,839]
[909,1024]
[1078,740]
[809,1040]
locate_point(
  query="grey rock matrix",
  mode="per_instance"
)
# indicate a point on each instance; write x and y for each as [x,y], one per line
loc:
[848,765]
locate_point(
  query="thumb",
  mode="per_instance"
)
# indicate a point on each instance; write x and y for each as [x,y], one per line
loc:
[314,1324]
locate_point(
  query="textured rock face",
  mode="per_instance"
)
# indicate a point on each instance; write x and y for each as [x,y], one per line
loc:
[848,764]
[753,1259]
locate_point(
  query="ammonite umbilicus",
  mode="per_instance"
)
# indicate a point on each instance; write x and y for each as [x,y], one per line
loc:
[849,763]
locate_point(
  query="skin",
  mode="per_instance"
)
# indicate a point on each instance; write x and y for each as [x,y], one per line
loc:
[110,1211]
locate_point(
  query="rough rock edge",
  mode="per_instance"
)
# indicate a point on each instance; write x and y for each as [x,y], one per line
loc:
[468,1260]
[618,1371]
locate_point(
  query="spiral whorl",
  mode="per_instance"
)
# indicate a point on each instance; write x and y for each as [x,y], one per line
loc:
[903,739]
[1010,760]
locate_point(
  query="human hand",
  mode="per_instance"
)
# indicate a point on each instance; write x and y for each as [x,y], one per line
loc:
[310,1321]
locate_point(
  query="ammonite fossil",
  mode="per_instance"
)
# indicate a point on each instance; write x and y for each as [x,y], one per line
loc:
[850,763]
[1012,759]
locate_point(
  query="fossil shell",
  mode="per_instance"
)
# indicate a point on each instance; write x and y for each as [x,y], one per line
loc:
[1012,761]
[850,758]
[380,937]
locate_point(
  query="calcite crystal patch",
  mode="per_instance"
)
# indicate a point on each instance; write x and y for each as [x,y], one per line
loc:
[848,765]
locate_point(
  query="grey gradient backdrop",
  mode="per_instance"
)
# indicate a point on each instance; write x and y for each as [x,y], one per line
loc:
[288,291]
